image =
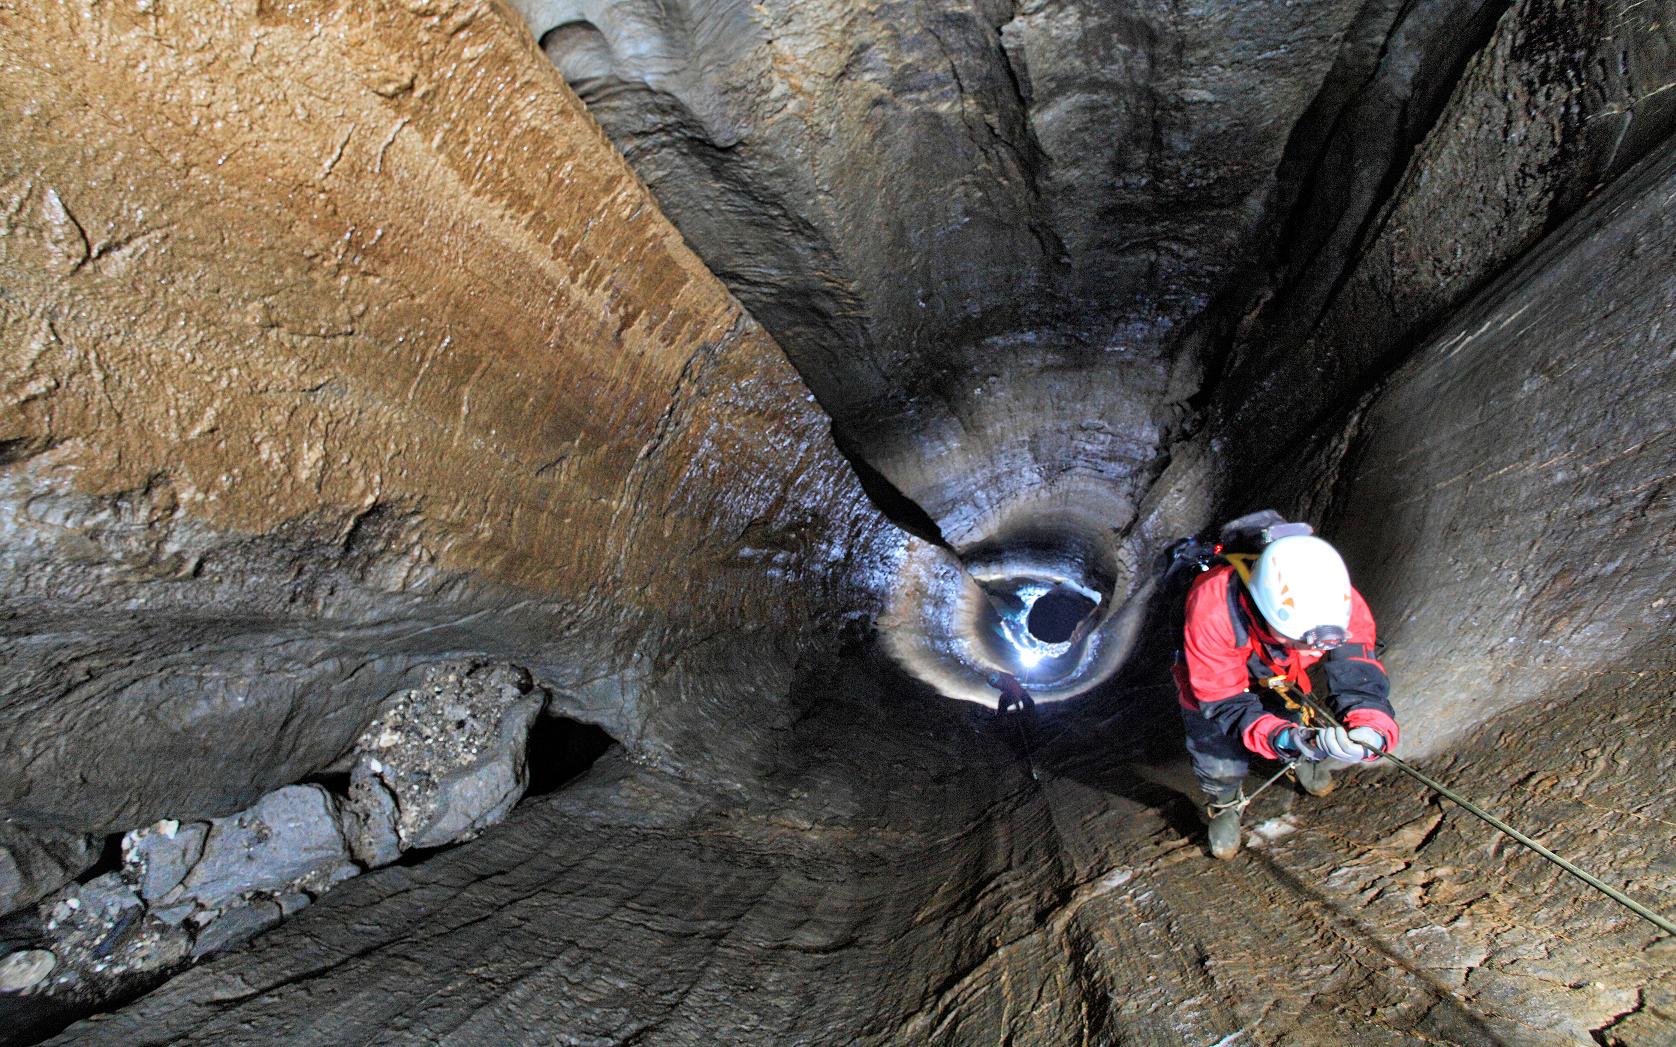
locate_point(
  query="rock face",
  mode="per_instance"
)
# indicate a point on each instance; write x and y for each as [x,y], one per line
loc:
[924,891]
[954,214]
[344,359]
[1511,434]
[445,762]
[1028,255]
[297,402]
[1560,99]
[34,862]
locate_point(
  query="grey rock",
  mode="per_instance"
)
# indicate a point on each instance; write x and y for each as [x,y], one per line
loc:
[291,837]
[159,856]
[103,935]
[293,903]
[34,862]
[109,895]
[444,762]
[25,969]
[174,915]
[369,818]
[236,925]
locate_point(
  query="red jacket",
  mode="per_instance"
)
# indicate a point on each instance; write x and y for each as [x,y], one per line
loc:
[1221,673]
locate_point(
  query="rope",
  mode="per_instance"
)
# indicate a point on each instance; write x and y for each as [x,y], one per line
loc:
[1245,801]
[1028,714]
[1662,923]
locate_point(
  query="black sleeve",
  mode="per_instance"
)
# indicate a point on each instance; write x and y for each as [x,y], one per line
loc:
[1234,714]
[1357,680]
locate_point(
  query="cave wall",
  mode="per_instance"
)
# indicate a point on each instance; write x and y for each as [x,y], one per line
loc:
[1505,494]
[340,340]
[1479,129]
[1080,279]
[977,228]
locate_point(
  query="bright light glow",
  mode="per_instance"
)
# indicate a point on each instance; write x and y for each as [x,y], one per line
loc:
[1029,651]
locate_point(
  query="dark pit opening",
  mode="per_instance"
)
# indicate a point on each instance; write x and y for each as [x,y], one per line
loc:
[560,750]
[1056,614]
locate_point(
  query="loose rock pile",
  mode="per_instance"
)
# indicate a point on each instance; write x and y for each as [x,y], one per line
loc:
[443,763]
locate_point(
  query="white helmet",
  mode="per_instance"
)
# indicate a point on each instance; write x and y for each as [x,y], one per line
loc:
[1302,587]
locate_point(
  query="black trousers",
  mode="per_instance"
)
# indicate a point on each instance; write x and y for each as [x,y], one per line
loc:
[1220,760]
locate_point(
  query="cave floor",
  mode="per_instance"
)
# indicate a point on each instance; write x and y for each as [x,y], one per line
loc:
[869,897]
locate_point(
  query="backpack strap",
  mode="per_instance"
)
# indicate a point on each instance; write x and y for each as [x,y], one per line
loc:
[1261,663]
[1241,563]
[1236,615]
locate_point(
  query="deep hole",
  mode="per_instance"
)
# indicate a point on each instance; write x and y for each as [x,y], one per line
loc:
[334,782]
[1054,615]
[560,750]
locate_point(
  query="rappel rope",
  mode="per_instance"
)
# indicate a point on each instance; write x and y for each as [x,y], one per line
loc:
[1244,800]
[1662,923]
[1025,717]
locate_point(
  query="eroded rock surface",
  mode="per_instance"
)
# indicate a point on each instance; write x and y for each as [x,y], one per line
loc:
[396,362]
[837,908]
[976,228]
[341,344]
[36,862]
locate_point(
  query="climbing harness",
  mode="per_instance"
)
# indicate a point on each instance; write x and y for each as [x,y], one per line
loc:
[1662,923]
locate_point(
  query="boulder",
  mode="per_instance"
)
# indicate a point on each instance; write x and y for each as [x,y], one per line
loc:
[290,840]
[445,762]
[159,856]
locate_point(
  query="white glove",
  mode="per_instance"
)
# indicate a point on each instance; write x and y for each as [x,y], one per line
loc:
[1348,746]
[1371,739]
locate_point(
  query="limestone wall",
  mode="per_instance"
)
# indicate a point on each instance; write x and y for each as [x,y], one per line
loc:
[337,338]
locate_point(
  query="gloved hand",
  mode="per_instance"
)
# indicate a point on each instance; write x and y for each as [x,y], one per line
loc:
[1299,743]
[1348,746]
[1371,738]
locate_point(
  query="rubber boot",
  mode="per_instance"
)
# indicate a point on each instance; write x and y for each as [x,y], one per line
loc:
[1315,776]
[1224,832]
